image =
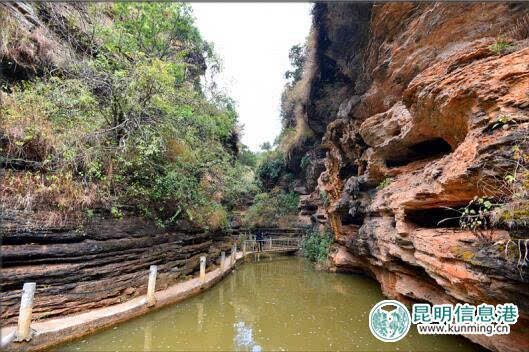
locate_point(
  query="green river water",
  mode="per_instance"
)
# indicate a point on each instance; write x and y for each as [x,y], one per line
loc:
[277,304]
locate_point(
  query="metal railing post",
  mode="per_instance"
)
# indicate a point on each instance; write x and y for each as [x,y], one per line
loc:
[222,261]
[233,254]
[244,249]
[24,332]
[151,299]
[202,269]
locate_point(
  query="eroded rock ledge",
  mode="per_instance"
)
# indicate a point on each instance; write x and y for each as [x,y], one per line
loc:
[413,113]
[102,263]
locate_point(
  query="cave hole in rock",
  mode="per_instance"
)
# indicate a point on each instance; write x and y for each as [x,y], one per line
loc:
[436,147]
[434,218]
[310,207]
[417,270]
[517,233]
[348,219]
[348,171]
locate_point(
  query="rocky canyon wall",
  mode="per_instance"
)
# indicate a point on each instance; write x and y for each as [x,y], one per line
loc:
[405,102]
[104,262]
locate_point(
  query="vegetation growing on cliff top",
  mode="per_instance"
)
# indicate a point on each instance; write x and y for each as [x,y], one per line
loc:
[274,208]
[127,123]
[275,204]
[295,129]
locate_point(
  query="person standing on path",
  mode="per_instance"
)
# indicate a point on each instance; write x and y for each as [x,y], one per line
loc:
[259,239]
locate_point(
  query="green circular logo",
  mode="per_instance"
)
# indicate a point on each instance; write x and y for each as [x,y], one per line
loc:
[389,321]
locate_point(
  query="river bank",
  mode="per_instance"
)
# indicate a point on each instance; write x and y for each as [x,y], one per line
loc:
[55,331]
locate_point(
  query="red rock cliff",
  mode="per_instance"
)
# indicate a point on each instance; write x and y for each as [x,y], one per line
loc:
[407,97]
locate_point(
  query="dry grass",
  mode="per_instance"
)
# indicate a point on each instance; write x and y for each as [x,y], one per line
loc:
[511,185]
[29,50]
[287,221]
[29,137]
[30,191]
[44,47]
[520,29]
[216,219]
[26,133]
[177,149]
[39,127]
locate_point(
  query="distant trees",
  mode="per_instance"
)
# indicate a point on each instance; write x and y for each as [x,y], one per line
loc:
[266,146]
[247,157]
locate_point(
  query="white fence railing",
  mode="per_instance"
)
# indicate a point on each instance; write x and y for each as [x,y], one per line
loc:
[272,245]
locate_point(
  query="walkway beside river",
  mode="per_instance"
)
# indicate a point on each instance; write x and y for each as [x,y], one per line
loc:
[55,331]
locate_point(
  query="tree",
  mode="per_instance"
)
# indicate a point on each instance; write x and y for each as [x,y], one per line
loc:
[266,146]
[247,157]
[297,60]
[158,29]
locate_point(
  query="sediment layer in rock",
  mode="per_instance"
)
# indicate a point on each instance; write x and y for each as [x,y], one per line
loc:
[101,263]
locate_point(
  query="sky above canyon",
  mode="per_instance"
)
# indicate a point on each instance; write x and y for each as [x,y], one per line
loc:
[253,40]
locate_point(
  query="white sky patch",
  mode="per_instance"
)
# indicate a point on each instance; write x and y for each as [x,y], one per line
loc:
[253,40]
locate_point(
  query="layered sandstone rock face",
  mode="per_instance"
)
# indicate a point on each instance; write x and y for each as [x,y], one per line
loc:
[106,261]
[411,109]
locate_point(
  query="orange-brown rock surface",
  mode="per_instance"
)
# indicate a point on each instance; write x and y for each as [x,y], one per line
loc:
[410,107]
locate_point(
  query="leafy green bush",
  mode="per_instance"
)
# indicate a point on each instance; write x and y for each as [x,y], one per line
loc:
[271,168]
[297,57]
[247,157]
[385,182]
[316,245]
[289,202]
[507,203]
[128,124]
[272,208]
[476,214]
[239,186]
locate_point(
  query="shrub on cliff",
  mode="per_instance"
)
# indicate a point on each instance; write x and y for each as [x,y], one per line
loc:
[272,209]
[297,56]
[316,245]
[505,200]
[270,168]
[511,192]
[295,127]
[23,52]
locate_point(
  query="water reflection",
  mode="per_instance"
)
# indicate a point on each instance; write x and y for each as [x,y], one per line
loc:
[244,338]
[281,304]
[200,316]
[147,344]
